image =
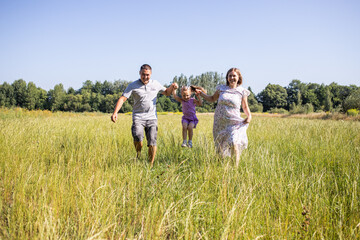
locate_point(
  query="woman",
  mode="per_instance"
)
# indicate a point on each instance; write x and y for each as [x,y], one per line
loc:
[229,128]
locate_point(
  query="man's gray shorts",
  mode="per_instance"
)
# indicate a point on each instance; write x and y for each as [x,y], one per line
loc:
[151,129]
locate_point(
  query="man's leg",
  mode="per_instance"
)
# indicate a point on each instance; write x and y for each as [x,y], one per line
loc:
[137,131]
[151,136]
[138,147]
[152,153]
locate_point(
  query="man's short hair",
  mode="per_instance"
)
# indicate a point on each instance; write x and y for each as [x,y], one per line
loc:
[145,67]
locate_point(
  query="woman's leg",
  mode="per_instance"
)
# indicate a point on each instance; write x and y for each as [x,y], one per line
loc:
[236,152]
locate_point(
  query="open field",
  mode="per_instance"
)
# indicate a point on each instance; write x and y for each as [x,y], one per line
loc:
[74,176]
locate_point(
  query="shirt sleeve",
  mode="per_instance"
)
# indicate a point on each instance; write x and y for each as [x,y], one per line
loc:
[246,92]
[160,87]
[128,91]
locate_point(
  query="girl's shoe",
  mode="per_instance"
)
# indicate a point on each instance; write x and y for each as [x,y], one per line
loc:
[184,144]
[190,144]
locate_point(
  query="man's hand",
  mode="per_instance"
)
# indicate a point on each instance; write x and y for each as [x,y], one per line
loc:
[114,117]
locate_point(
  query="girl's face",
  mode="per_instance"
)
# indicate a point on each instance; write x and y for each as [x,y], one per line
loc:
[233,79]
[186,95]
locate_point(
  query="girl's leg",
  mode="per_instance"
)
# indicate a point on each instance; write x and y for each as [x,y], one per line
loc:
[190,130]
[184,130]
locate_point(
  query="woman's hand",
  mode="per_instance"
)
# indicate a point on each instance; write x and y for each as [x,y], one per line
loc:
[247,120]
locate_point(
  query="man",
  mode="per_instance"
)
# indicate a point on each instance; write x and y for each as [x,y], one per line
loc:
[144,91]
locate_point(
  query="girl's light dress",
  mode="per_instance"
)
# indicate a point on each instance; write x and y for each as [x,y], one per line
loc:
[229,128]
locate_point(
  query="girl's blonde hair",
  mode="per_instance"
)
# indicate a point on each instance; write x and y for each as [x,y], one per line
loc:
[185,89]
[192,88]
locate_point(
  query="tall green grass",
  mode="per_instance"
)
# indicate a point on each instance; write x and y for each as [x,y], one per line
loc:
[75,176]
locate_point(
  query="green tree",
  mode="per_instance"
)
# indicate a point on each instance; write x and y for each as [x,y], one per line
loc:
[42,99]
[310,97]
[19,92]
[73,103]
[294,91]
[107,88]
[95,101]
[119,86]
[254,105]
[352,101]
[327,101]
[56,98]
[97,88]
[273,96]
[181,80]
[71,91]
[107,104]
[87,86]
[7,95]
[339,94]
[31,96]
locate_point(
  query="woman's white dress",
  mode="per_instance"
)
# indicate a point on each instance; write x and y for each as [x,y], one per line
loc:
[229,128]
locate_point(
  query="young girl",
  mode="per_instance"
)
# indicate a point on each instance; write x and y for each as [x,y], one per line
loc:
[189,119]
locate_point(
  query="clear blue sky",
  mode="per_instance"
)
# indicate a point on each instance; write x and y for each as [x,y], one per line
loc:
[49,42]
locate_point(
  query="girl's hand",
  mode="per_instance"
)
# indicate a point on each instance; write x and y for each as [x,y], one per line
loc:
[175,86]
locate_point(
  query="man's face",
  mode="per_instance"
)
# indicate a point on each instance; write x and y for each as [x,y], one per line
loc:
[145,75]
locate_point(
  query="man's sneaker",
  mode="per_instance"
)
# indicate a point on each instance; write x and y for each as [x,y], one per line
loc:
[184,144]
[190,144]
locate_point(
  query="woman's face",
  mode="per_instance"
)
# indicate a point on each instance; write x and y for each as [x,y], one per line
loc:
[233,79]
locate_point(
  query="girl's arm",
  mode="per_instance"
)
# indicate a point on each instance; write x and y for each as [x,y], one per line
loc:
[198,100]
[246,109]
[175,96]
[212,98]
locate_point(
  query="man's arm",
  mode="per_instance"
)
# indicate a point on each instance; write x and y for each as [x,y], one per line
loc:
[118,106]
[169,90]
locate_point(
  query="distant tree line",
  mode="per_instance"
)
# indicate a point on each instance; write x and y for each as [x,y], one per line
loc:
[297,97]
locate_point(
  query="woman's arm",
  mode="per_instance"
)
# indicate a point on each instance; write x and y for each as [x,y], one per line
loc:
[212,98]
[245,107]
[198,100]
